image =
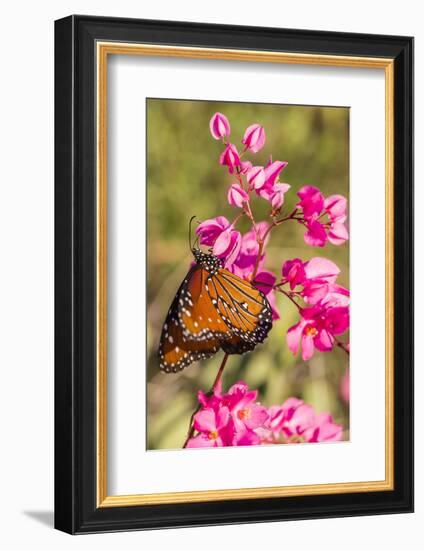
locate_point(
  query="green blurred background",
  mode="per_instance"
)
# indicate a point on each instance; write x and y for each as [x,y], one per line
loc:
[184,179]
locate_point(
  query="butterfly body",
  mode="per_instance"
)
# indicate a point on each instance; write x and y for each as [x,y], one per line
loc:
[213,309]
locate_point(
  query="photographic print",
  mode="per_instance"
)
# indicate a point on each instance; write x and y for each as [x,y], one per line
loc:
[247,274]
[210,228]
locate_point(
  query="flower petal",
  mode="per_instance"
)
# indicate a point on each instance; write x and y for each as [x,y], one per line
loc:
[307,347]
[205,420]
[315,234]
[264,281]
[293,336]
[338,233]
[321,268]
[199,441]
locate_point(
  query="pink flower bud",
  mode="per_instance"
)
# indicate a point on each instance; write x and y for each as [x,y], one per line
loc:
[237,195]
[230,158]
[254,138]
[245,166]
[256,177]
[277,199]
[294,272]
[219,126]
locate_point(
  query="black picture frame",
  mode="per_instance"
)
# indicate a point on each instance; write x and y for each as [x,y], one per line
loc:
[76,510]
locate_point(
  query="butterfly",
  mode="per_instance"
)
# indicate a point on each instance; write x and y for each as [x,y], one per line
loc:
[213,309]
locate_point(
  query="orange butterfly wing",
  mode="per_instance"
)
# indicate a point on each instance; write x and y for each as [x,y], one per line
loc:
[212,311]
[243,307]
[176,352]
[197,315]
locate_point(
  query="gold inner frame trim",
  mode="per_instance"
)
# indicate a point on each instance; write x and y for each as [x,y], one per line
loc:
[104,49]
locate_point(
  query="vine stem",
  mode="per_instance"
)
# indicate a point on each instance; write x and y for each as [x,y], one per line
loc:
[217,382]
[343,346]
[288,295]
[261,240]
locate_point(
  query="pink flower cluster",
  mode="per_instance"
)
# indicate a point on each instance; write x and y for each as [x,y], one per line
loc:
[326,314]
[235,418]
[323,304]
[324,218]
[261,179]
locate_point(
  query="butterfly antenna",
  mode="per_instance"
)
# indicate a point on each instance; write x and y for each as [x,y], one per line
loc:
[189,233]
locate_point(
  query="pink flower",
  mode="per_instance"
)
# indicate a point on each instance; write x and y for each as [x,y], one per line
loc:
[323,430]
[311,201]
[225,240]
[314,207]
[254,138]
[256,177]
[336,296]
[245,411]
[335,206]
[272,171]
[276,417]
[277,199]
[267,187]
[320,274]
[336,320]
[322,269]
[227,245]
[230,157]
[299,417]
[274,194]
[237,195]
[247,415]
[209,230]
[219,126]
[338,233]
[317,276]
[316,329]
[213,401]
[236,418]
[215,428]
[296,422]
[294,272]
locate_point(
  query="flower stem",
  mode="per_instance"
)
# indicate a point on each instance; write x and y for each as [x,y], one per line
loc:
[261,239]
[288,295]
[215,385]
[343,346]
[236,219]
[291,216]
[218,377]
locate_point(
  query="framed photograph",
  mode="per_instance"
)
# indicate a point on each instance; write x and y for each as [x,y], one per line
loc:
[234,274]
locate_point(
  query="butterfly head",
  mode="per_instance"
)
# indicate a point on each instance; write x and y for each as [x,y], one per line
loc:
[207,260]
